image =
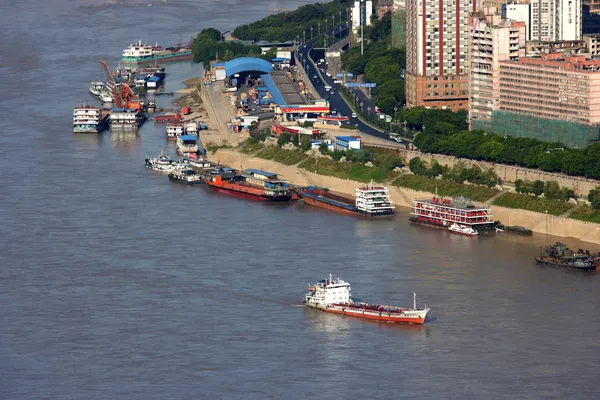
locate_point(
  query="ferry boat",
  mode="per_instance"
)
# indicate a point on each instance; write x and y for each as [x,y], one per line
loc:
[199,163]
[96,87]
[560,255]
[253,183]
[140,53]
[370,201]
[462,230]
[126,118]
[443,213]
[333,296]
[188,176]
[187,144]
[88,119]
[174,130]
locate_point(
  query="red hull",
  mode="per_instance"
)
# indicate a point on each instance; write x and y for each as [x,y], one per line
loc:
[377,317]
[245,191]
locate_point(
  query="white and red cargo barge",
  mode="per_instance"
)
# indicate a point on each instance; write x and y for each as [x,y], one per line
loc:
[451,213]
[333,296]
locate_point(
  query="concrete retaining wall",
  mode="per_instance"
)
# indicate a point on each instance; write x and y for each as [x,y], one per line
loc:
[537,222]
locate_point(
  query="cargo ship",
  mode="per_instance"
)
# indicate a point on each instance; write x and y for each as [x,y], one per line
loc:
[253,183]
[560,255]
[140,53]
[446,213]
[89,119]
[333,296]
[370,200]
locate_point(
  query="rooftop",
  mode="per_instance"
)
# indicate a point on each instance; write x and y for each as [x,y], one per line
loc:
[268,174]
[348,138]
[188,138]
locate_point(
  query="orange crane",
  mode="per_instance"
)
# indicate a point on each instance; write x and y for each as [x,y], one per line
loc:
[122,94]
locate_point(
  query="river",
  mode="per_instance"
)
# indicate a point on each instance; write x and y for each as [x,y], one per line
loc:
[117,284]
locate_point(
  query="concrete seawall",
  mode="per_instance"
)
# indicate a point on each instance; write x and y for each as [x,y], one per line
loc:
[537,222]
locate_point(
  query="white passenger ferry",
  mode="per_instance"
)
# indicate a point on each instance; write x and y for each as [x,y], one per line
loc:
[374,200]
[88,119]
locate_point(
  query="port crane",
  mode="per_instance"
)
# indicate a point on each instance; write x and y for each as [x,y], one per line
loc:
[122,94]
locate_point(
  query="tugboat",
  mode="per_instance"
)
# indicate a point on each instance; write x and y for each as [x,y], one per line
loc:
[333,296]
[561,256]
[164,163]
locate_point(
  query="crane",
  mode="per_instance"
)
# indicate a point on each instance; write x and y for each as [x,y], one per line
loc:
[122,94]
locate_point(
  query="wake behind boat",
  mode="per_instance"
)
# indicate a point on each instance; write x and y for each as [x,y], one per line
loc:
[333,296]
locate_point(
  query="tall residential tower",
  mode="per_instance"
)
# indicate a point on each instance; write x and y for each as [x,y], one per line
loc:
[437,53]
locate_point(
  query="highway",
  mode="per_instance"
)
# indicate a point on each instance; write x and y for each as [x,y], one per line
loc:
[320,80]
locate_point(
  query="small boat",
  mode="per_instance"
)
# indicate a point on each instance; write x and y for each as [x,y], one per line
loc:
[164,163]
[188,176]
[105,97]
[333,296]
[462,230]
[96,87]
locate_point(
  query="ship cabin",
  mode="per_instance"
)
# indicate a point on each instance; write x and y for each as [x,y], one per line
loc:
[459,210]
[187,144]
[329,291]
[226,174]
[264,179]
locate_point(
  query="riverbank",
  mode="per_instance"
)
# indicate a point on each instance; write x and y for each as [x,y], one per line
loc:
[402,197]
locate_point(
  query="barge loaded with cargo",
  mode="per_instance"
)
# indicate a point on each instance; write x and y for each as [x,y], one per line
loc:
[559,255]
[333,296]
[370,201]
[253,183]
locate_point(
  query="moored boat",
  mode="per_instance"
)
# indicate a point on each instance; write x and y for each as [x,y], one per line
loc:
[140,53]
[370,201]
[560,255]
[462,230]
[253,183]
[333,296]
[89,119]
[164,163]
[443,213]
[105,96]
[191,128]
[187,145]
[174,130]
[96,87]
[188,176]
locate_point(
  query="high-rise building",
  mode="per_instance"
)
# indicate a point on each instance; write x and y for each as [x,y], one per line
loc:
[553,20]
[518,11]
[553,98]
[493,40]
[594,6]
[437,64]
[362,10]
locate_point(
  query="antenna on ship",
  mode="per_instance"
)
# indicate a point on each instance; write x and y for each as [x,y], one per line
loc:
[414,300]
[330,277]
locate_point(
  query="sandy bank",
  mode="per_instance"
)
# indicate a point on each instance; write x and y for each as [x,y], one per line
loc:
[537,222]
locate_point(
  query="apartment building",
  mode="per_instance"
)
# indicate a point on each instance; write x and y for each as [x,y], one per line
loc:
[493,40]
[554,98]
[437,47]
[553,20]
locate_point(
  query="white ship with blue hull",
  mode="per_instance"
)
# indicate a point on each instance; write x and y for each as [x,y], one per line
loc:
[88,119]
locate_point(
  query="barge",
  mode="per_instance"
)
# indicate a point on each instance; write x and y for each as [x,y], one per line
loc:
[559,255]
[252,183]
[370,201]
[443,213]
[333,296]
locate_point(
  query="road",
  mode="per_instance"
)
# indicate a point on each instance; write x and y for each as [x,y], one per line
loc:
[320,80]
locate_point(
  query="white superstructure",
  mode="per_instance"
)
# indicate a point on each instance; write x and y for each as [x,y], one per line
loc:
[125,117]
[553,20]
[328,292]
[174,129]
[191,128]
[372,199]
[138,52]
[96,87]
[87,119]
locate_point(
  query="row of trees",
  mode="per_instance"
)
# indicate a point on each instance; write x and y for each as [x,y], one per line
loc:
[459,173]
[551,189]
[594,198]
[530,153]
[287,25]
[208,45]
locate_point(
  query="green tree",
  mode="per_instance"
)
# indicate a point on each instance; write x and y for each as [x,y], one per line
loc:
[305,144]
[323,148]
[210,34]
[269,55]
[417,166]
[552,190]
[566,193]
[537,188]
[594,198]
[284,138]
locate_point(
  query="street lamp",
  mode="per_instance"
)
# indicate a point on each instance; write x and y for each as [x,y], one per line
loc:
[369,111]
[311,34]
[325,25]
[361,106]
[340,17]
[304,34]
[319,28]
[404,123]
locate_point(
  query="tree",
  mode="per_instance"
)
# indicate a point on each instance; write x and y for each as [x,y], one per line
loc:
[567,193]
[284,138]
[594,198]
[537,188]
[417,166]
[552,190]
[323,148]
[210,34]
[305,144]
[271,54]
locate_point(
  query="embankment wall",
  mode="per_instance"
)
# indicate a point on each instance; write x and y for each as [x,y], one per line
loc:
[537,222]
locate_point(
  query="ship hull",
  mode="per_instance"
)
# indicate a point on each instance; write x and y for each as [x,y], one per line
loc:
[246,192]
[440,224]
[164,58]
[176,178]
[418,318]
[340,204]
[544,261]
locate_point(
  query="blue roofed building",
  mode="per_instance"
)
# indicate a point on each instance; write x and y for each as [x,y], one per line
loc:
[346,143]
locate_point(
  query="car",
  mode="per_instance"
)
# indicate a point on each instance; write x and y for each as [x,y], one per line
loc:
[315,77]
[353,115]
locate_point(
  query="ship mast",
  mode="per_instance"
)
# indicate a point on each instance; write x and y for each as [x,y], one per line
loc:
[414,300]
